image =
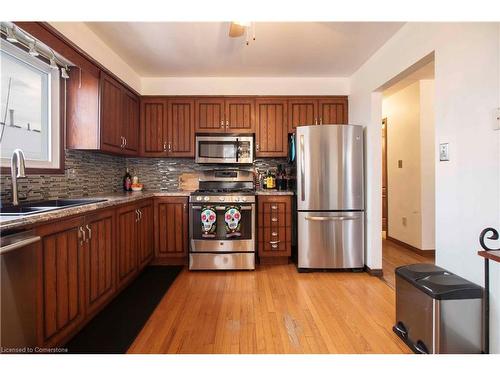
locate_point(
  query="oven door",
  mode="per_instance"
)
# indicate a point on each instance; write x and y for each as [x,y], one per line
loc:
[224,150]
[231,229]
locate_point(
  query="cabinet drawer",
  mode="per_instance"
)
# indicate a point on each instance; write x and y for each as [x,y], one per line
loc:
[272,207]
[277,234]
[271,246]
[278,219]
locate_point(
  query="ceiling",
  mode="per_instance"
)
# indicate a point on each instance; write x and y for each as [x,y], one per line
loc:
[195,49]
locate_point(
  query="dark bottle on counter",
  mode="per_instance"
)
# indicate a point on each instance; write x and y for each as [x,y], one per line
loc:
[127,181]
[280,178]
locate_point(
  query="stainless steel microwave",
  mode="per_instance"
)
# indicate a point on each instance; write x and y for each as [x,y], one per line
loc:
[224,149]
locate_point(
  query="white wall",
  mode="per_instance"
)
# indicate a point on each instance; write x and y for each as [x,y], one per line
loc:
[87,40]
[402,110]
[466,95]
[427,165]
[245,86]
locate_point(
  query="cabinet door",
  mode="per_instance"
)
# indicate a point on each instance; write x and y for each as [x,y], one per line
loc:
[171,226]
[145,243]
[209,115]
[271,128]
[239,116]
[60,280]
[302,112]
[126,218]
[130,123]
[99,259]
[154,127]
[332,110]
[180,128]
[82,109]
[111,114]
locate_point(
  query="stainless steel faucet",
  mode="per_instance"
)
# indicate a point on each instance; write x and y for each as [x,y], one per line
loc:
[16,171]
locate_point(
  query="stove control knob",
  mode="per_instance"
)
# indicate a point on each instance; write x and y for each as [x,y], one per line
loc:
[198,199]
[243,199]
[221,199]
[206,199]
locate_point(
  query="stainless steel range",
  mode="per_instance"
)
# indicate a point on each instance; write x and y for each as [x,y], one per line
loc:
[222,221]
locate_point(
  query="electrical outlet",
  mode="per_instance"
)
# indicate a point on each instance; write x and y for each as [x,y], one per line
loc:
[404,220]
[444,152]
[71,173]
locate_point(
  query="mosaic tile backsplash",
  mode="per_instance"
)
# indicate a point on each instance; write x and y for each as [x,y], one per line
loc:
[89,173]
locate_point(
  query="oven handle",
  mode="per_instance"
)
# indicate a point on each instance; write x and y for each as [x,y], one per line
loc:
[222,208]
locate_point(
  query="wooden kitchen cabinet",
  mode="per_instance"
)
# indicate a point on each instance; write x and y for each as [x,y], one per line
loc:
[225,115]
[100,261]
[317,111]
[145,238]
[271,127]
[102,114]
[61,302]
[126,231]
[274,228]
[180,128]
[154,136]
[171,230]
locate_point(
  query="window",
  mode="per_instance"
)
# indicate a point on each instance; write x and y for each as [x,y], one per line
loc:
[29,109]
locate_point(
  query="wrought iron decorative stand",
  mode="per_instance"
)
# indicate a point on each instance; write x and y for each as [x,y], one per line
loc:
[488,254]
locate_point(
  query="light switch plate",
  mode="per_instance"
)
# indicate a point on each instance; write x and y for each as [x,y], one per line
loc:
[444,152]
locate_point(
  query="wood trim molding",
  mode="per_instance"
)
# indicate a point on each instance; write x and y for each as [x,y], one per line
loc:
[377,272]
[424,253]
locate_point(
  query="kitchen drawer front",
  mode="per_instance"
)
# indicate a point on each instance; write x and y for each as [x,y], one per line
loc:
[278,219]
[282,234]
[271,247]
[273,207]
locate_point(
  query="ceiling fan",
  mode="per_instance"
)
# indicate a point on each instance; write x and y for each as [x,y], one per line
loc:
[242,28]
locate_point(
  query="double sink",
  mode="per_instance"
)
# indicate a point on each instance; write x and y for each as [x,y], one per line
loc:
[44,206]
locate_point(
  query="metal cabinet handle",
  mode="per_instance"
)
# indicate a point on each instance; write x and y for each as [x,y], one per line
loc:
[315,121]
[274,246]
[330,218]
[169,147]
[90,232]
[227,124]
[274,234]
[125,138]
[274,207]
[222,124]
[136,215]
[123,141]
[274,242]
[83,237]
[321,121]
[274,219]
[257,147]
[140,215]
[164,146]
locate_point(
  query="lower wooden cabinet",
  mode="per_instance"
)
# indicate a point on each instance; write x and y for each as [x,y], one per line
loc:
[274,228]
[60,280]
[145,240]
[171,230]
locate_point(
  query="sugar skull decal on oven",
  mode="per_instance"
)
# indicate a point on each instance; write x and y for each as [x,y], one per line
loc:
[208,222]
[232,217]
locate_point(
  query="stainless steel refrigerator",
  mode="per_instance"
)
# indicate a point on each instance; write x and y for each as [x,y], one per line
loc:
[330,198]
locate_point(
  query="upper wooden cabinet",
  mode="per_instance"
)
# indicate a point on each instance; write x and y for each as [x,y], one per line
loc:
[102,114]
[167,127]
[225,115]
[271,127]
[316,111]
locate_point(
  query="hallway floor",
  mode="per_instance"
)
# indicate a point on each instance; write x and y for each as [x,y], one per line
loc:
[394,255]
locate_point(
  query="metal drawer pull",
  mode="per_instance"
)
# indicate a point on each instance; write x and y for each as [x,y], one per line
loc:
[274,242]
[274,219]
[90,231]
[274,246]
[330,218]
[274,234]
[83,234]
[274,207]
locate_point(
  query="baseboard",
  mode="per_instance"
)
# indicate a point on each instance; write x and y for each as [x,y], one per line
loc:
[374,272]
[424,253]
[273,260]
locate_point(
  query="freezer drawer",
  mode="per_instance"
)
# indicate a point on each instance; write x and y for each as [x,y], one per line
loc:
[330,240]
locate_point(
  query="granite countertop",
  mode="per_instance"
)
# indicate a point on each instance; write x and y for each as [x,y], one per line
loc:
[273,192]
[112,199]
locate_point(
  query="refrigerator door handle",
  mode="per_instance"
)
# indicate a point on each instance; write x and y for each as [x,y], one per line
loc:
[302,169]
[331,218]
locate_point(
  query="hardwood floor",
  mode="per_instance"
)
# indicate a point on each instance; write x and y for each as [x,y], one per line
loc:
[394,255]
[273,310]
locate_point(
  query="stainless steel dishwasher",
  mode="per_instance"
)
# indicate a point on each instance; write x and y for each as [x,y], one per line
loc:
[18,277]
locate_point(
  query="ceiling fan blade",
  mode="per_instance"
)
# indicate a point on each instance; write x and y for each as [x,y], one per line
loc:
[236,30]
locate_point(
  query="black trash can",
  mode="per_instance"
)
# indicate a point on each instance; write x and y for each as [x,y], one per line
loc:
[438,311]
